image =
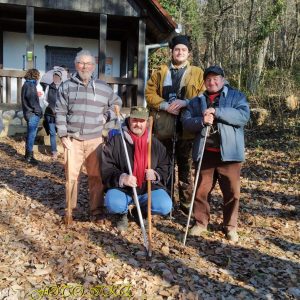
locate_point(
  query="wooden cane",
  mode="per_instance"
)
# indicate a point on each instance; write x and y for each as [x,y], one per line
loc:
[68,217]
[135,196]
[206,130]
[149,190]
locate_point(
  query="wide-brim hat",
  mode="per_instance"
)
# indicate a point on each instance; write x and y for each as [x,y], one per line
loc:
[58,73]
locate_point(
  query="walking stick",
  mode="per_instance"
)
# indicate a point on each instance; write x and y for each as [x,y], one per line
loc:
[174,140]
[149,190]
[68,217]
[135,197]
[195,184]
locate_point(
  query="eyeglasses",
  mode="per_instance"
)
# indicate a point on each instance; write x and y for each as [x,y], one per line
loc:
[81,64]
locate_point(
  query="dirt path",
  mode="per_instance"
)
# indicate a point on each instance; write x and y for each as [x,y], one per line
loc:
[41,259]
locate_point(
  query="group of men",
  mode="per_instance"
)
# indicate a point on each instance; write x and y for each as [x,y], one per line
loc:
[195,101]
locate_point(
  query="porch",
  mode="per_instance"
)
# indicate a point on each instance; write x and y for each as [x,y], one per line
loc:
[11,84]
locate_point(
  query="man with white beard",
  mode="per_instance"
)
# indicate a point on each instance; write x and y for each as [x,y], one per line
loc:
[84,105]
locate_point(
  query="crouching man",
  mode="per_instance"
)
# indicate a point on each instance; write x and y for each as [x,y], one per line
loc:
[115,173]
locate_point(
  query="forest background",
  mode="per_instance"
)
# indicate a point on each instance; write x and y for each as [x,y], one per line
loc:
[256,42]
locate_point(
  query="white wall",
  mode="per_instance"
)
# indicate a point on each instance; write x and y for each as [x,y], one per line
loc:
[14,47]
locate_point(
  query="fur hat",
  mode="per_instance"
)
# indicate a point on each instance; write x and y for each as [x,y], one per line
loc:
[180,39]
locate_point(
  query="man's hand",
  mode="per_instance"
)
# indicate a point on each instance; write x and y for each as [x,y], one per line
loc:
[175,107]
[208,117]
[210,110]
[66,142]
[150,174]
[129,180]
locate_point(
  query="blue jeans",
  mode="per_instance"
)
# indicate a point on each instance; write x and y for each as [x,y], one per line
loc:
[52,131]
[32,127]
[117,202]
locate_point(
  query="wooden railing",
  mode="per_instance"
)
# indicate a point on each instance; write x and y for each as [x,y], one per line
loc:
[126,88]
[6,85]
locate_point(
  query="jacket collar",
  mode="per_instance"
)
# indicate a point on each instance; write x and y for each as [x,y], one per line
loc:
[223,93]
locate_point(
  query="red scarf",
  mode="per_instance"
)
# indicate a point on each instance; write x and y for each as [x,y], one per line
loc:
[212,97]
[140,156]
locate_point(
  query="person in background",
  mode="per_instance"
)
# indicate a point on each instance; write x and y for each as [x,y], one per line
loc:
[115,173]
[169,90]
[32,111]
[83,106]
[226,111]
[49,115]
[67,70]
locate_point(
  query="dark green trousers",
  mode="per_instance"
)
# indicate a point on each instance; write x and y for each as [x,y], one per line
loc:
[183,159]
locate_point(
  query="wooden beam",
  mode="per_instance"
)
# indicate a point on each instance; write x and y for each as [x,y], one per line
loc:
[30,36]
[12,73]
[19,89]
[1,64]
[119,80]
[141,62]
[8,90]
[102,44]
[1,48]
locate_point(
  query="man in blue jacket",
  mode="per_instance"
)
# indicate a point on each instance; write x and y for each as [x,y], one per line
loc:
[226,112]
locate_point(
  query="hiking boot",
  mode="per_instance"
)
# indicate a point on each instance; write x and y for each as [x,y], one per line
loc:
[122,224]
[98,219]
[197,230]
[232,235]
[29,158]
[54,155]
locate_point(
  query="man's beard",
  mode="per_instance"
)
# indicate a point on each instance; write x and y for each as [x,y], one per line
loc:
[137,131]
[85,75]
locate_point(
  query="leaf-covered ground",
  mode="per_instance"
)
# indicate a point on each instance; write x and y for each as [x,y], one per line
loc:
[41,259]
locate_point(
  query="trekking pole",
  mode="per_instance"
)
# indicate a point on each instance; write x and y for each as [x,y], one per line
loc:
[135,197]
[68,216]
[149,190]
[195,184]
[174,140]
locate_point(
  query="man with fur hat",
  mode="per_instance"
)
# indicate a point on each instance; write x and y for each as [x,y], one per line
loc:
[167,92]
[115,173]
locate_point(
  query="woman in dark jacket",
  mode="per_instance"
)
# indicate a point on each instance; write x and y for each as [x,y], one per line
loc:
[52,94]
[32,111]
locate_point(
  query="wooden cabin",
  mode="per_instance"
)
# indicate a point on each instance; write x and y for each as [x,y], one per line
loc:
[45,33]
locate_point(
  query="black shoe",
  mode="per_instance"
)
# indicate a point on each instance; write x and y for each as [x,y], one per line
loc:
[29,158]
[98,219]
[185,208]
[122,224]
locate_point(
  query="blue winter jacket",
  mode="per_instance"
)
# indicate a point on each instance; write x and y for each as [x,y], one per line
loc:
[232,115]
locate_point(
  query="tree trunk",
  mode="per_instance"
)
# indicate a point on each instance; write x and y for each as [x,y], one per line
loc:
[295,39]
[256,74]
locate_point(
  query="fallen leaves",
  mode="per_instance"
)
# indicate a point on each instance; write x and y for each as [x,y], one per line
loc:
[36,250]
